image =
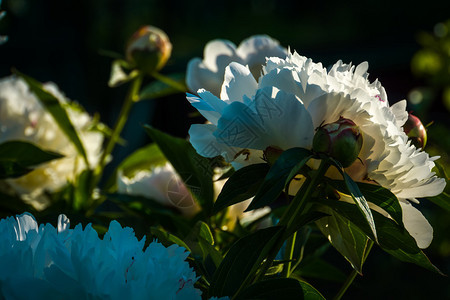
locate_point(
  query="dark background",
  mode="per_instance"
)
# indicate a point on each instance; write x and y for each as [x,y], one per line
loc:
[62,41]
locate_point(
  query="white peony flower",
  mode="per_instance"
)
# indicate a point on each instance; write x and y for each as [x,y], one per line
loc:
[209,72]
[292,98]
[43,262]
[161,184]
[22,117]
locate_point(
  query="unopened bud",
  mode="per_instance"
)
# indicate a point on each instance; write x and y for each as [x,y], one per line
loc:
[415,130]
[148,49]
[342,140]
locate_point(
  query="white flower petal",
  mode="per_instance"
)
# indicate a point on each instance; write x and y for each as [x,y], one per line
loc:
[416,224]
[238,82]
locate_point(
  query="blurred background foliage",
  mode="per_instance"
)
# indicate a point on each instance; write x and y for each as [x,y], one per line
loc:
[407,46]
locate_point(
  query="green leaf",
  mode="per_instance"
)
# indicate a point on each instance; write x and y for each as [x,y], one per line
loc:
[280,288]
[26,154]
[358,197]
[59,114]
[392,238]
[142,159]
[348,239]
[242,185]
[82,190]
[280,174]
[194,169]
[442,200]
[10,169]
[377,195]
[243,260]
[157,89]
[320,269]
[168,239]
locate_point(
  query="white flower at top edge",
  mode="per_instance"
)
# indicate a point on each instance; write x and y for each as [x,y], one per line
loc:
[292,98]
[22,117]
[209,72]
[43,262]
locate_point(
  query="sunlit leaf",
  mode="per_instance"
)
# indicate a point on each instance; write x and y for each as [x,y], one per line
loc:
[280,174]
[359,198]
[242,185]
[377,195]
[392,238]
[348,239]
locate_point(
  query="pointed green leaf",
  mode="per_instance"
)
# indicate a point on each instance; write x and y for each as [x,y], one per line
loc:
[59,114]
[157,89]
[348,239]
[392,238]
[280,174]
[358,197]
[10,169]
[442,200]
[242,261]
[26,154]
[142,159]
[118,76]
[195,170]
[168,239]
[242,185]
[280,288]
[377,195]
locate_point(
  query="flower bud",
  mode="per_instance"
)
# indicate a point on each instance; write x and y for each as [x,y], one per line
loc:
[415,130]
[342,140]
[148,49]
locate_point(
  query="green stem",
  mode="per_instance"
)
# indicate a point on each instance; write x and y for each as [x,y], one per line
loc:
[131,98]
[353,274]
[289,254]
[295,208]
[170,82]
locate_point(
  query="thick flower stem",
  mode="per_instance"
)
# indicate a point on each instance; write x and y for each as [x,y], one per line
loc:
[294,210]
[131,98]
[353,274]
[169,81]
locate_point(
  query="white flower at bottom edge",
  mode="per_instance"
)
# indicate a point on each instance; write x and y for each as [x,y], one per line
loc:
[293,98]
[22,117]
[209,72]
[43,262]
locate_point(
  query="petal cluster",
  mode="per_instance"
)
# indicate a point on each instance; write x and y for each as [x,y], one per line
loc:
[22,117]
[292,98]
[208,73]
[43,262]
[161,184]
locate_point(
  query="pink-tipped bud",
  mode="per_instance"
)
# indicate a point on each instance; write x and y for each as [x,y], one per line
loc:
[148,49]
[415,130]
[341,140]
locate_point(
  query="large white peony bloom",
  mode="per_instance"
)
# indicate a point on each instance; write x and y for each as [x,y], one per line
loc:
[43,262]
[22,117]
[209,72]
[161,184]
[292,98]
